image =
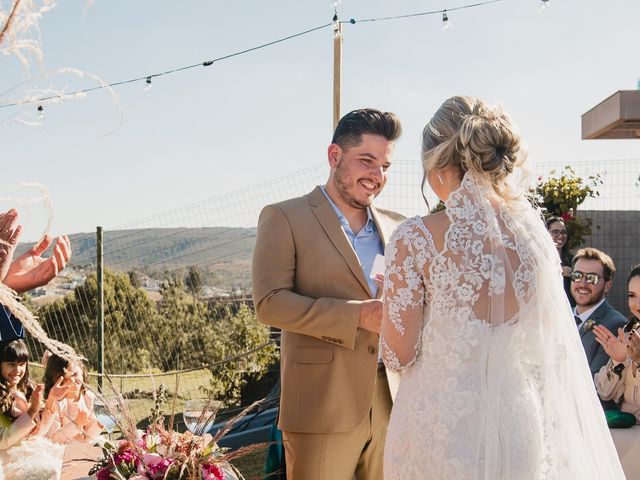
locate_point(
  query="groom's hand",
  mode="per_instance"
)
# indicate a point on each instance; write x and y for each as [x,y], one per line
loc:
[371,315]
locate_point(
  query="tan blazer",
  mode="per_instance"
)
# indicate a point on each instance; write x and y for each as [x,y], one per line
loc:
[307,281]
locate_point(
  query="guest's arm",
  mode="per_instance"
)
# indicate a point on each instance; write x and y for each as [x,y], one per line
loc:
[14,432]
[610,380]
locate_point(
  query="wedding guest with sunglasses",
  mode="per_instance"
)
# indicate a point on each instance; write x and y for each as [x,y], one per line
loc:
[619,379]
[560,236]
[591,278]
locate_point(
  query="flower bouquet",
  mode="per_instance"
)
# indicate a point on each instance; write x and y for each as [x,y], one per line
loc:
[160,452]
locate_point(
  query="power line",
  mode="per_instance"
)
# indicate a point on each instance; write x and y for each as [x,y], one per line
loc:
[207,63]
[147,78]
[420,14]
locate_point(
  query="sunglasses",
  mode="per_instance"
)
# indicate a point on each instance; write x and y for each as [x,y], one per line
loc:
[591,278]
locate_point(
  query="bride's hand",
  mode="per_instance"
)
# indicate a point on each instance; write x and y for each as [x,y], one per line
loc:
[616,347]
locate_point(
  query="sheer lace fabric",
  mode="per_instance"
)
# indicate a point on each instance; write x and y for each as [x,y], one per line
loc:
[494,381]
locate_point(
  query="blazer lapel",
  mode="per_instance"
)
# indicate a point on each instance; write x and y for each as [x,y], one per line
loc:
[385,229]
[328,220]
[596,316]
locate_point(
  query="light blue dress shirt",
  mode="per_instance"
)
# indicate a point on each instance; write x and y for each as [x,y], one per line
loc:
[366,243]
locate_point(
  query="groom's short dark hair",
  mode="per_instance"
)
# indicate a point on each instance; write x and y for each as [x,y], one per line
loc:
[369,121]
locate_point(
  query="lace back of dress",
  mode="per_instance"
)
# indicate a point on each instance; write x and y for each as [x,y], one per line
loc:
[481,249]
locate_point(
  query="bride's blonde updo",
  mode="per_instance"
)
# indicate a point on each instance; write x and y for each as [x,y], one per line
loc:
[470,135]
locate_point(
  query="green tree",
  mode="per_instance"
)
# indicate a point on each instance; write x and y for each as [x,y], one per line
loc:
[129,317]
[194,280]
[234,334]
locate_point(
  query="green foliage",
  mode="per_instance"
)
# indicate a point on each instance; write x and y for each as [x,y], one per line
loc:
[194,280]
[439,207]
[178,332]
[238,332]
[561,195]
[564,192]
[128,314]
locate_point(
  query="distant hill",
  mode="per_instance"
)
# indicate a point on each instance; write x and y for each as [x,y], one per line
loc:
[223,253]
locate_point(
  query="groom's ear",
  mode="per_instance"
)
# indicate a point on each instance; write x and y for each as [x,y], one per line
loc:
[334,153]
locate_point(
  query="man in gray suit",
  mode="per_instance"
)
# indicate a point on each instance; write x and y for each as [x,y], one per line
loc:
[591,279]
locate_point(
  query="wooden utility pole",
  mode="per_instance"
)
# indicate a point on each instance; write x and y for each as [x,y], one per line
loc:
[337,69]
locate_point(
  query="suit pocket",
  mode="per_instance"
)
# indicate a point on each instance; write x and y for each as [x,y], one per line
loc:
[312,355]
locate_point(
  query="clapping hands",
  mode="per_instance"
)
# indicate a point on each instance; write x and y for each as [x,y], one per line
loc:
[618,347]
[29,270]
[9,234]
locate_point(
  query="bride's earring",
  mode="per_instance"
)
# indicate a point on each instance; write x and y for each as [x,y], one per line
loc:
[439,177]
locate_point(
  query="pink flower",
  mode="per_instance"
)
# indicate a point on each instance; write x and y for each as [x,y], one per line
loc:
[126,456]
[103,474]
[155,464]
[211,471]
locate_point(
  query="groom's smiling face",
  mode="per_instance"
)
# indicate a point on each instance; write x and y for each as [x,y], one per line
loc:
[359,173]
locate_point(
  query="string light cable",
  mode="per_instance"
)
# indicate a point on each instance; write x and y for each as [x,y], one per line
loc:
[147,78]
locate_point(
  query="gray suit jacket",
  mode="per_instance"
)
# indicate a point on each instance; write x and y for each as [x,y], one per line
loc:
[609,317]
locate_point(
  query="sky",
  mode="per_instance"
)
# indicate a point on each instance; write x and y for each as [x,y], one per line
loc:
[204,132]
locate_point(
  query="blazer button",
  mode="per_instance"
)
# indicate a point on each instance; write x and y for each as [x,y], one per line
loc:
[372,350]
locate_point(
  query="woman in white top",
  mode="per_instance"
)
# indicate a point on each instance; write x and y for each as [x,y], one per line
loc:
[619,379]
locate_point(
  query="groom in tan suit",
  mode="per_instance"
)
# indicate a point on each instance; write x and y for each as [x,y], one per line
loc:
[311,278]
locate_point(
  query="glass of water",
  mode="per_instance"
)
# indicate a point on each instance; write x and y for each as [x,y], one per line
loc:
[199,415]
[103,410]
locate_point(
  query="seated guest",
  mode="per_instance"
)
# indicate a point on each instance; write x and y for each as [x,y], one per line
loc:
[23,416]
[558,231]
[73,418]
[619,379]
[591,278]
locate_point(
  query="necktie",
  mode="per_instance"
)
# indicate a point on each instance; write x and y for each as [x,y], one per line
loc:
[577,319]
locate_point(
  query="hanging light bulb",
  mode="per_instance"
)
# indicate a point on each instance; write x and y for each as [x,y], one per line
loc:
[446,23]
[40,115]
[543,5]
[147,84]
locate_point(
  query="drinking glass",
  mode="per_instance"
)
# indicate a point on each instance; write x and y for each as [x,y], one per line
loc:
[199,415]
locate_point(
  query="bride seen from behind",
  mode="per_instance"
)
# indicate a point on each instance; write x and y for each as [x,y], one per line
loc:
[495,385]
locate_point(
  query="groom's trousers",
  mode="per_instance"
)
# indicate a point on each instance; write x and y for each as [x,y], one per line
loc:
[341,456]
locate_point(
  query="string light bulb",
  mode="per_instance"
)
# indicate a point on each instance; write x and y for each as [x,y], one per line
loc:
[147,84]
[446,23]
[40,115]
[543,5]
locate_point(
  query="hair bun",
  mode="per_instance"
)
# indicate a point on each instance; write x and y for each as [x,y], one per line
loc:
[488,143]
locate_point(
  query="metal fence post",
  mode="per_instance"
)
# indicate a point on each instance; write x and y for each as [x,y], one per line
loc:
[100,305]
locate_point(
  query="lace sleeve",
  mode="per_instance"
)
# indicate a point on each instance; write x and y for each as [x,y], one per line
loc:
[404,295]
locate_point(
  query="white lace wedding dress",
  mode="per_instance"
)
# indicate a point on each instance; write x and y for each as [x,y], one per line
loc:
[495,384]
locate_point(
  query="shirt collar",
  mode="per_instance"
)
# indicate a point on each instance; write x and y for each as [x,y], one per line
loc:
[369,227]
[586,314]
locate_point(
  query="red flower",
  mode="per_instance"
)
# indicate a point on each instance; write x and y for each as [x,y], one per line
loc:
[103,474]
[566,216]
[211,471]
